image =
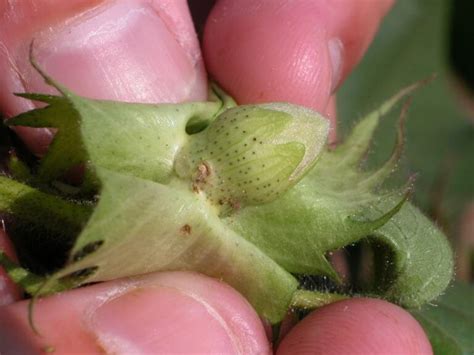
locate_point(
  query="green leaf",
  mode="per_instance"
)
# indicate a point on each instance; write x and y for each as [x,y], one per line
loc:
[356,146]
[450,321]
[52,213]
[137,139]
[337,204]
[163,171]
[140,226]
[421,264]
[32,283]
[28,281]
[18,169]
[306,300]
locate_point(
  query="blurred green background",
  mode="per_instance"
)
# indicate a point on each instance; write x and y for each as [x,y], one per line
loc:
[419,38]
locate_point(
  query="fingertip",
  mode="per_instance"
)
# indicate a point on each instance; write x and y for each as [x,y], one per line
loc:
[297,52]
[357,326]
[262,51]
[172,312]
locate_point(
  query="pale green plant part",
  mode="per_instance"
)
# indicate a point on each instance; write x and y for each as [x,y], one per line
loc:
[247,194]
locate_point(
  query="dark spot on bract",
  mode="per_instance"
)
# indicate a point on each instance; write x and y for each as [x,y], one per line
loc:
[87,249]
[80,274]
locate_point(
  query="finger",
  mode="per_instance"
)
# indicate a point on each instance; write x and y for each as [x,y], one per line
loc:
[295,51]
[172,312]
[131,50]
[9,292]
[357,326]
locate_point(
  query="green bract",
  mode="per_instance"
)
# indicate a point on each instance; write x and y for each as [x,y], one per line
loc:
[247,194]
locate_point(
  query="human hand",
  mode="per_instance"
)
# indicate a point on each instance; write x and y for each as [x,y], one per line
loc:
[146,51]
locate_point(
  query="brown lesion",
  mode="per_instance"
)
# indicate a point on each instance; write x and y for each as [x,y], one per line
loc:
[203,172]
[186,229]
[230,204]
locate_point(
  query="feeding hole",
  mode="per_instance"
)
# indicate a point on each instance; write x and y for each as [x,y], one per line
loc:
[186,229]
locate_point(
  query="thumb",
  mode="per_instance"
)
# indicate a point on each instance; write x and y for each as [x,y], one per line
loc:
[131,50]
[165,313]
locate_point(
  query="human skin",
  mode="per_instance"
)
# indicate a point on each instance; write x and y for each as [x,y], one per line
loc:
[147,51]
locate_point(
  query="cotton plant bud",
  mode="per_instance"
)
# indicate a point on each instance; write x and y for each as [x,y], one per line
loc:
[252,154]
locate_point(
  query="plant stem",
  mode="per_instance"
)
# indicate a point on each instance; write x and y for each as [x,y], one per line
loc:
[305,299]
[50,212]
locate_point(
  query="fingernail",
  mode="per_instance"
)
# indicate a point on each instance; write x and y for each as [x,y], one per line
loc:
[122,50]
[172,322]
[336,49]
